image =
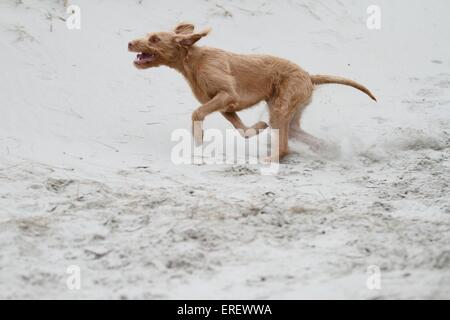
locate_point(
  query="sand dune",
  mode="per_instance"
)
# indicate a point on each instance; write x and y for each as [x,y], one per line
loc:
[86,178]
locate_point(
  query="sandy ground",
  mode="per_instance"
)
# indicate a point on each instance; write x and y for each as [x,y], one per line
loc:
[86,178]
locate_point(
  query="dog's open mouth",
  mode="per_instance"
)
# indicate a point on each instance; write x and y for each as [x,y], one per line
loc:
[143,58]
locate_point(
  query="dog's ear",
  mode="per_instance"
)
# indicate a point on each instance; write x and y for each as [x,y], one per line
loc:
[190,39]
[184,28]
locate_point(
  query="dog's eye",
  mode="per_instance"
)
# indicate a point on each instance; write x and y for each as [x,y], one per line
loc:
[154,39]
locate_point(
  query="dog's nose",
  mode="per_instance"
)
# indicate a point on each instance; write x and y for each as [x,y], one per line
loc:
[130,45]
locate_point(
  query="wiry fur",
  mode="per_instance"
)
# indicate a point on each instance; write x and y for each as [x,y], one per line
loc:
[227,82]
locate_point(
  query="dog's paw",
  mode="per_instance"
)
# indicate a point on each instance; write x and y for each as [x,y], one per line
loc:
[254,130]
[261,125]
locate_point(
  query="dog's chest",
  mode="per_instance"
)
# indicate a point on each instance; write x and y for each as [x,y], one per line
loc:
[197,87]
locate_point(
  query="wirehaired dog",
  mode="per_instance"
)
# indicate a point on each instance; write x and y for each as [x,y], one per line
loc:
[227,82]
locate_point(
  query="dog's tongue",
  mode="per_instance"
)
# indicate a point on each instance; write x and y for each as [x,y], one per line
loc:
[144,57]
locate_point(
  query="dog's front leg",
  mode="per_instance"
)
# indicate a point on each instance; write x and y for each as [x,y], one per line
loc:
[221,101]
[246,132]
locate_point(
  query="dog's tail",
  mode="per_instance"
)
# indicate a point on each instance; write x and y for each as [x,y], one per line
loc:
[323,79]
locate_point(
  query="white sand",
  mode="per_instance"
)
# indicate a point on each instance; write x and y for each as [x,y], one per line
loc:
[86,177]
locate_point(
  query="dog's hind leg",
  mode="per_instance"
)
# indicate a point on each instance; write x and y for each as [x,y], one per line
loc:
[279,123]
[297,117]
[296,132]
[246,132]
[314,143]
[289,94]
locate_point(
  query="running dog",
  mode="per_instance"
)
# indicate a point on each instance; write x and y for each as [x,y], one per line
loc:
[227,82]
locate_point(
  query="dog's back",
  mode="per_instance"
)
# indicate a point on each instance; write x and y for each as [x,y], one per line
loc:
[254,77]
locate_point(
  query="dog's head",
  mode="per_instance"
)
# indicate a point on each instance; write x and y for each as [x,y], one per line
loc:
[164,48]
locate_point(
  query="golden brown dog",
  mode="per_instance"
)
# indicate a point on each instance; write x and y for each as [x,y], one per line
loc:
[227,82]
